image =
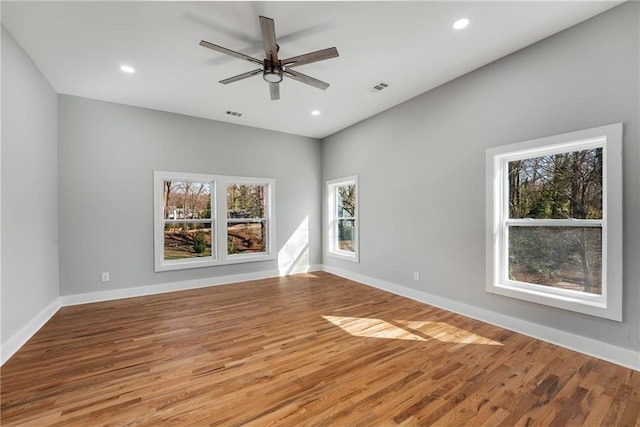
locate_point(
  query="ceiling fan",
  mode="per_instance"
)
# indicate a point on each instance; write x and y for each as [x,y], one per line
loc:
[273,69]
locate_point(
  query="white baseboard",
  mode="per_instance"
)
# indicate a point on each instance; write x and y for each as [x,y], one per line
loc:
[14,343]
[139,291]
[305,269]
[161,288]
[25,333]
[608,352]
[611,353]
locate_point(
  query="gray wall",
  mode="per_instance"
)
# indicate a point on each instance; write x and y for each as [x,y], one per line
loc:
[434,146]
[29,190]
[107,156]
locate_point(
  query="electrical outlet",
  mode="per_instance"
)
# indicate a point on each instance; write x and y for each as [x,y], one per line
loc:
[105,276]
[416,275]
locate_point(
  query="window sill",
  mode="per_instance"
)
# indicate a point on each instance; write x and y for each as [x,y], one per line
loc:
[347,256]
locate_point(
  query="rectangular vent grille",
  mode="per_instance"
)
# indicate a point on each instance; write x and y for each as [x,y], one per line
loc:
[380,86]
[234,113]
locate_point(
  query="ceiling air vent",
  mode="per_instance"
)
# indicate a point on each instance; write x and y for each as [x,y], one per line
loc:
[234,114]
[378,87]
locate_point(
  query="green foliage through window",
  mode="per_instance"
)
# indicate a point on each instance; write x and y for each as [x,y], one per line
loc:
[559,186]
[566,185]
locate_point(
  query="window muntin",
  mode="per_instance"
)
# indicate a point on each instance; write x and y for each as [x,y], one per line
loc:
[187,232]
[247,221]
[554,221]
[343,218]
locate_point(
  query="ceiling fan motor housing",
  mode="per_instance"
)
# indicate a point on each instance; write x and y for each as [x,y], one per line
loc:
[272,71]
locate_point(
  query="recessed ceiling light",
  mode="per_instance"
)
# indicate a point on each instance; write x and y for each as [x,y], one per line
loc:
[460,24]
[127,69]
[315,113]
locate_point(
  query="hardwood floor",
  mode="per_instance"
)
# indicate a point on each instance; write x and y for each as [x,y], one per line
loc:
[311,349]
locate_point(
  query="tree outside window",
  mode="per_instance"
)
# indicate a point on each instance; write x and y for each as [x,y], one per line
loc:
[246,219]
[560,186]
[554,221]
[203,220]
[346,217]
[342,228]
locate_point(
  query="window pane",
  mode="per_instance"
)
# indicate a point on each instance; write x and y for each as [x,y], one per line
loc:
[187,240]
[346,201]
[567,185]
[561,257]
[346,235]
[246,237]
[245,201]
[186,200]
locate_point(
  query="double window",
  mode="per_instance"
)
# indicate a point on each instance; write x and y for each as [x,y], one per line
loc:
[204,220]
[342,206]
[554,221]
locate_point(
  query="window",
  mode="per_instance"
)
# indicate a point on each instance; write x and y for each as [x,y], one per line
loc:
[247,221]
[188,232]
[343,218]
[554,221]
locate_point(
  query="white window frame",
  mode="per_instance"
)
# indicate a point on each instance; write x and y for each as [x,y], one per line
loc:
[269,185]
[219,254]
[332,219]
[607,305]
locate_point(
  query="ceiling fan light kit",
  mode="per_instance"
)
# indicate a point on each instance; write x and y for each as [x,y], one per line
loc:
[273,69]
[272,73]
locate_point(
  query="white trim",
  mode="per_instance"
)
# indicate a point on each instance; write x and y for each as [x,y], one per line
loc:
[20,338]
[160,263]
[270,216]
[618,355]
[162,288]
[17,340]
[331,186]
[608,305]
[219,231]
[609,352]
[301,269]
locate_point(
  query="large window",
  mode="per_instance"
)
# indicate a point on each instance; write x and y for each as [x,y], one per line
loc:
[205,220]
[342,206]
[554,231]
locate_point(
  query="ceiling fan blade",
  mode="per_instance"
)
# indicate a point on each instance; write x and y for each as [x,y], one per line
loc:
[274,89]
[241,76]
[303,78]
[308,58]
[269,38]
[229,52]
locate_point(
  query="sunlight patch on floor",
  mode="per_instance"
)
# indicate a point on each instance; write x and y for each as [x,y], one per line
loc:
[446,333]
[411,330]
[372,328]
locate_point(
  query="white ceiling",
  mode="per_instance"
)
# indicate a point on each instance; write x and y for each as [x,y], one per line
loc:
[79,47]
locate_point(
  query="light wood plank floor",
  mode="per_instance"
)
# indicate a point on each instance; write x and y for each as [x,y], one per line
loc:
[310,349]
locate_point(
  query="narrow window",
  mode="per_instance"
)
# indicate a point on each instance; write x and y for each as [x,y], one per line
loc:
[247,220]
[554,236]
[343,218]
